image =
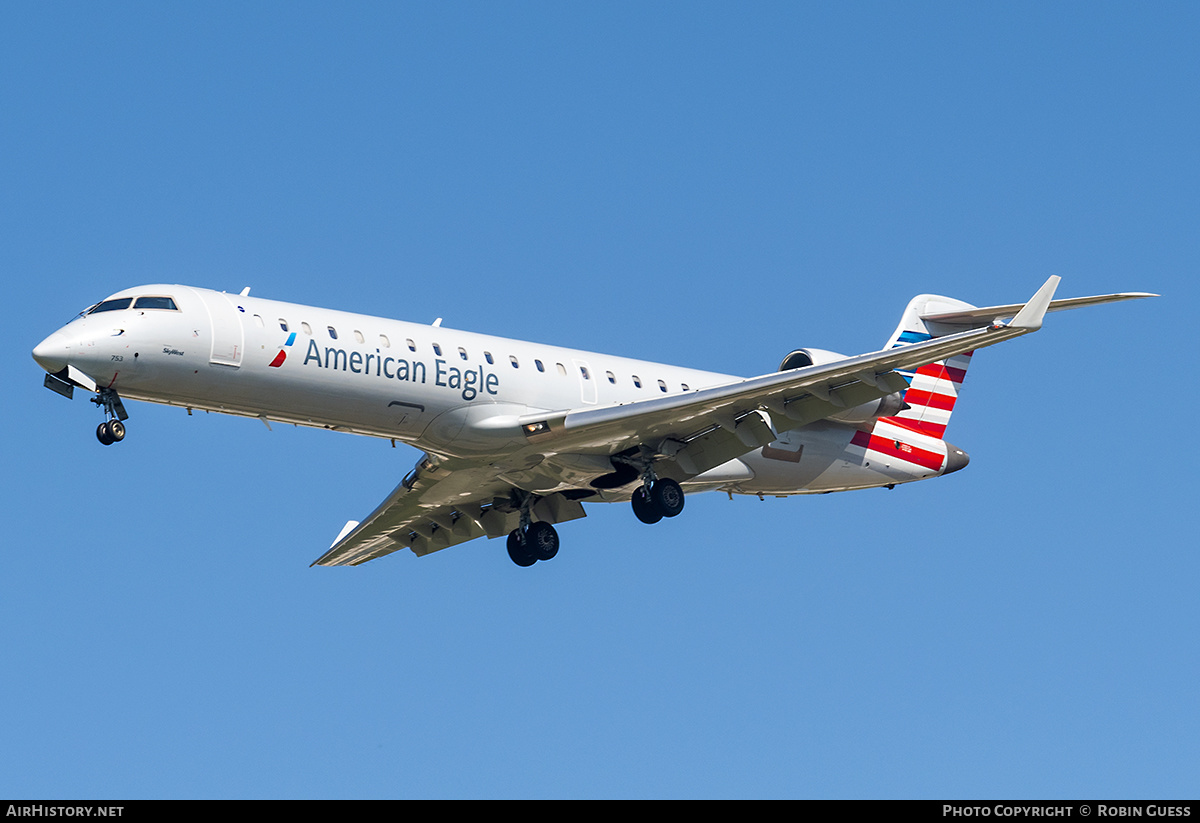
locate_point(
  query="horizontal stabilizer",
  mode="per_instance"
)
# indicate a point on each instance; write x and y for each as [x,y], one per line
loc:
[970,317]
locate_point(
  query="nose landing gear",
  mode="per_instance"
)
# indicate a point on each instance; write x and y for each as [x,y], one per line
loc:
[112,430]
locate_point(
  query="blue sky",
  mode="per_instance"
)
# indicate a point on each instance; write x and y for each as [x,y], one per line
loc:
[704,184]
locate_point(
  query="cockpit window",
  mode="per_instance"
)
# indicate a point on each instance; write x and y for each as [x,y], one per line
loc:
[155,303]
[112,305]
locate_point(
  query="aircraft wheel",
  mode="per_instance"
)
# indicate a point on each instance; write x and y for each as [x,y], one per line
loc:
[518,549]
[116,430]
[104,435]
[542,540]
[667,496]
[644,507]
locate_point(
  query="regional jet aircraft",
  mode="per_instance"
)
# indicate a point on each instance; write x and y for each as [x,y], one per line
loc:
[518,436]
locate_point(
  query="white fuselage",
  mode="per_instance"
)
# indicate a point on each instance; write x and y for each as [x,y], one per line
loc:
[429,386]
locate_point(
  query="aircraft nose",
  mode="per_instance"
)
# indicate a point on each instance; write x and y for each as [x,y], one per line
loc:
[51,353]
[956,459]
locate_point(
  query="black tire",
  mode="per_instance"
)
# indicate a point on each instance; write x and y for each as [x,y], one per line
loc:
[116,430]
[667,496]
[518,549]
[644,507]
[542,540]
[104,435]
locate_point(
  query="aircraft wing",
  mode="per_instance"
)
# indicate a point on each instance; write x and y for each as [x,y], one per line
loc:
[704,428]
[441,504]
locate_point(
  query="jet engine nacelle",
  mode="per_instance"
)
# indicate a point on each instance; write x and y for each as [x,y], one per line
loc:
[864,413]
[802,358]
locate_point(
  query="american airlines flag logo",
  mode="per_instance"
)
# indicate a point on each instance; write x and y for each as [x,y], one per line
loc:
[279,358]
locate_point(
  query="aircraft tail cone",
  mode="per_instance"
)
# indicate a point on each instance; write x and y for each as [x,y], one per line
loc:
[956,459]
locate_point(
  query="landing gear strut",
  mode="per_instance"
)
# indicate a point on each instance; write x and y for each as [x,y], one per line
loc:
[112,430]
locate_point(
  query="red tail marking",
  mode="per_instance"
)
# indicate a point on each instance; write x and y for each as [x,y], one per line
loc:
[919,397]
[898,449]
[940,372]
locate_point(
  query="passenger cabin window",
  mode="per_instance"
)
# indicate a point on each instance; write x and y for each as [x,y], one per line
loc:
[332,332]
[359,336]
[112,305]
[539,365]
[612,378]
[411,345]
[384,342]
[304,327]
[487,355]
[637,381]
[583,370]
[561,369]
[258,321]
[512,358]
[283,324]
[662,386]
[462,352]
[684,386]
[164,303]
[437,349]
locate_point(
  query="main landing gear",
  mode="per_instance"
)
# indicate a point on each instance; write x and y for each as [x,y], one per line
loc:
[657,499]
[528,546]
[531,541]
[112,430]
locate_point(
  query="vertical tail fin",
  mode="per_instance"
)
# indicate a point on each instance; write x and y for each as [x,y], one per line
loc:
[933,388]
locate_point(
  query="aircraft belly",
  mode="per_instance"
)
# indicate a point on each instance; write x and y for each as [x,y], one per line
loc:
[734,471]
[827,457]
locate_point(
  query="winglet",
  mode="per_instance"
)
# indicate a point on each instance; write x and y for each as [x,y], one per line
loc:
[1030,316]
[350,526]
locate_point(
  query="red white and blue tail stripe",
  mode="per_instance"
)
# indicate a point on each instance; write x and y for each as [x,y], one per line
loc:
[933,388]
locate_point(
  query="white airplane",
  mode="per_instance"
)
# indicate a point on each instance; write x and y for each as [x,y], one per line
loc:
[517,435]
